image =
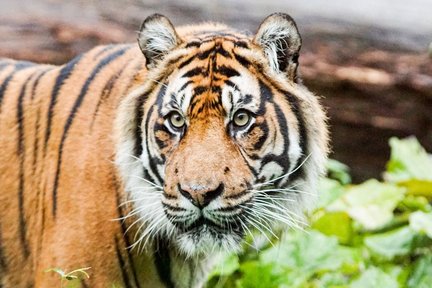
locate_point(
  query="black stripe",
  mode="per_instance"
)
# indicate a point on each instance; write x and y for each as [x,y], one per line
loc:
[162,261]
[105,61]
[198,90]
[35,156]
[186,62]
[194,72]
[4,86]
[251,168]
[173,208]
[122,265]
[261,140]
[21,155]
[147,176]
[295,107]
[63,75]
[18,66]
[205,54]
[193,44]
[174,61]
[3,262]
[124,230]
[109,86]
[37,122]
[152,160]
[242,44]
[282,159]
[227,71]
[42,226]
[104,49]
[36,82]
[106,92]
[139,117]
[242,60]
[231,84]
[233,197]
[220,50]
[185,85]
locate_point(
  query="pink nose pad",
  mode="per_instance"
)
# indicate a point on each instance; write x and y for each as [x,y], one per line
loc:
[201,197]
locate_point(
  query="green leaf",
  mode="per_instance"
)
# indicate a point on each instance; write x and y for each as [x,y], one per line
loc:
[400,273]
[374,277]
[329,191]
[421,276]
[308,253]
[391,244]
[408,161]
[227,266]
[257,275]
[331,280]
[338,171]
[335,223]
[421,222]
[371,203]
[414,203]
[418,187]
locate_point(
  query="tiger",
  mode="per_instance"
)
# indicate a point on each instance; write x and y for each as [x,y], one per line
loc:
[145,161]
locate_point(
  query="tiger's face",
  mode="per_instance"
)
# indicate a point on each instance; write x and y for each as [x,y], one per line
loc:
[222,139]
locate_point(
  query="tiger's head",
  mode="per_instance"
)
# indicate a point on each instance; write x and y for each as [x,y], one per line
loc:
[219,137]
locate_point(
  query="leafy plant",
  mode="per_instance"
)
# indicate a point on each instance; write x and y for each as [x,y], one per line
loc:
[374,234]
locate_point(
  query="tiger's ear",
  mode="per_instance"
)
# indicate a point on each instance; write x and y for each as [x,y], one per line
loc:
[280,39]
[157,37]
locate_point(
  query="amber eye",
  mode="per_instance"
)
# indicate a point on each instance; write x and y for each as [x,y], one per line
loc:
[176,120]
[241,118]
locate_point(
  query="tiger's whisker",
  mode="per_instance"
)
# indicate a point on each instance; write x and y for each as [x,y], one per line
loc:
[149,182]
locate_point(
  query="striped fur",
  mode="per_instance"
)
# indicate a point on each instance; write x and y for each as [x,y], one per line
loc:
[91,141]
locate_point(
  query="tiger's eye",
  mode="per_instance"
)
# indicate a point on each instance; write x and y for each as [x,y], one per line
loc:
[241,118]
[176,120]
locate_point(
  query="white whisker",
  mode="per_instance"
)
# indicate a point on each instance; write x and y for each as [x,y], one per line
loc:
[149,182]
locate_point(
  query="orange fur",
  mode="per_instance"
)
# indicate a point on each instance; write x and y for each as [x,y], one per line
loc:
[61,128]
[88,189]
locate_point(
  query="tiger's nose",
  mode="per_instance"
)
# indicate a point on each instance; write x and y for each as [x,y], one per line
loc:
[200,196]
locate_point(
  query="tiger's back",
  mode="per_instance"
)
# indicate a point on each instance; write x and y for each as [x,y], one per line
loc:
[56,136]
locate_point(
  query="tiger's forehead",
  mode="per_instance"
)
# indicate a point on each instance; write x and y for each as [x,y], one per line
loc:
[198,34]
[209,80]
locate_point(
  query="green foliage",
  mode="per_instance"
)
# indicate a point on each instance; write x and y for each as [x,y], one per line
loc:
[374,234]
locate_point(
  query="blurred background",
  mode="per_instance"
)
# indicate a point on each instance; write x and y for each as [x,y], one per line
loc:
[370,59]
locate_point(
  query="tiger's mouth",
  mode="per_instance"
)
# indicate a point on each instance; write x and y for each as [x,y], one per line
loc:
[202,231]
[205,224]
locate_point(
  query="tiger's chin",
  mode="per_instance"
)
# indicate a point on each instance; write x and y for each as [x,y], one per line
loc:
[207,239]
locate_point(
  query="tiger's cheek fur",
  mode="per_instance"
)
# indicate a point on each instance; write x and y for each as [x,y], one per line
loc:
[271,145]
